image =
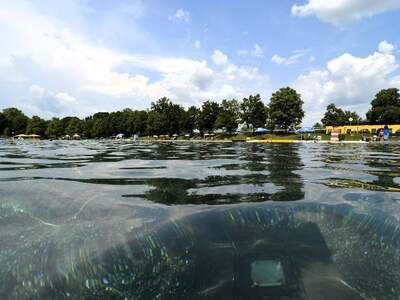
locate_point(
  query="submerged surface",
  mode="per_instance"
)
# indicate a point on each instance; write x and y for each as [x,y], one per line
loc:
[101,220]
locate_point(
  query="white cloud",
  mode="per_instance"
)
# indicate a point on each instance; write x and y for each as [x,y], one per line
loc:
[279,60]
[197,44]
[349,81]
[257,51]
[180,16]
[48,104]
[385,47]
[341,12]
[58,71]
[219,58]
[295,58]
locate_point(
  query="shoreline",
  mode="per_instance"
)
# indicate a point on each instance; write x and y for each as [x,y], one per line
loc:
[264,141]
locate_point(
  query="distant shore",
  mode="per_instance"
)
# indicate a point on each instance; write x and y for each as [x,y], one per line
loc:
[260,141]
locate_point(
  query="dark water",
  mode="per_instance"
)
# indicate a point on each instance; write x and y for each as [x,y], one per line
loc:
[101,220]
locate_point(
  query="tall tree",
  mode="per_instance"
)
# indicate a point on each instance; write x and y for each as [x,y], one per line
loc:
[254,112]
[74,126]
[208,116]
[100,125]
[191,119]
[54,128]
[335,116]
[351,118]
[36,125]
[16,120]
[286,109]
[229,115]
[137,122]
[166,117]
[385,107]
[3,123]
[155,123]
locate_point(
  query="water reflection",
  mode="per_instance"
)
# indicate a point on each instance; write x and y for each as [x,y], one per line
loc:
[283,162]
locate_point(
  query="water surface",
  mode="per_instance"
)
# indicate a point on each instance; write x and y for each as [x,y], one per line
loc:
[106,220]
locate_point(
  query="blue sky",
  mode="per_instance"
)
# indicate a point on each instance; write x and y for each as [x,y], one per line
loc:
[77,57]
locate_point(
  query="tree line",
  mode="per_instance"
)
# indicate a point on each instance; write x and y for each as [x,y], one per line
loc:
[385,109]
[284,111]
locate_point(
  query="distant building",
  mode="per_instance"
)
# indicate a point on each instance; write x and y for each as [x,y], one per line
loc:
[361,128]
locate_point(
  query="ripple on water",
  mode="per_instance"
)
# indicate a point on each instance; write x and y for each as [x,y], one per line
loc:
[98,219]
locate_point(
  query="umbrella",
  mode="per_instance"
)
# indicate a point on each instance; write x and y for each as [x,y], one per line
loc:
[305,130]
[262,130]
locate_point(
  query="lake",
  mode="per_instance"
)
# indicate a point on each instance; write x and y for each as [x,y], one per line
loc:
[107,220]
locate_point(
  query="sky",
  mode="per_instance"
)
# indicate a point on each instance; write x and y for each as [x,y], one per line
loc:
[78,57]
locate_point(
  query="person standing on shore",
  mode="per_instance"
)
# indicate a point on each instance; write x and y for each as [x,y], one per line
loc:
[386,133]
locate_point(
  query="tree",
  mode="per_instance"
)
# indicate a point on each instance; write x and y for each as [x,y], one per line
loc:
[254,112]
[155,123]
[36,125]
[74,126]
[191,119]
[99,126]
[137,122]
[229,115]
[351,115]
[317,125]
[208,116]
[286,108]
[16,120]
[54,128]
[385,107]
[3,123]
[335,116]
[166,117]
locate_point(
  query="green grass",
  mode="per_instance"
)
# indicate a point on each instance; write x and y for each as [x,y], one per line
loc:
[249,136]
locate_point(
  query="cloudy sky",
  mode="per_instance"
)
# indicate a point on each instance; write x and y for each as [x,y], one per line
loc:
[78,57]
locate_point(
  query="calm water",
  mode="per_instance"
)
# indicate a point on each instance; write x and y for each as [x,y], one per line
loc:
[102,220]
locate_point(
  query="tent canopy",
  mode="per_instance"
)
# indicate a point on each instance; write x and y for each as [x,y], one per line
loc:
[262,130]
[306,130]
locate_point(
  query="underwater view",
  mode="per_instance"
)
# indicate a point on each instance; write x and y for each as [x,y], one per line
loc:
[114,220]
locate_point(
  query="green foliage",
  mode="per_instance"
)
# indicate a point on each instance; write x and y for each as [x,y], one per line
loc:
[73,126]
[191,119]
[208,116]
[317,125]
[254,112]
[36,125]
[385,107]
[54,128]
[6,132]
[335,116]
[165,117]
[137,122]
[286,109]
[16,120]
[3,122]
[229,115]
